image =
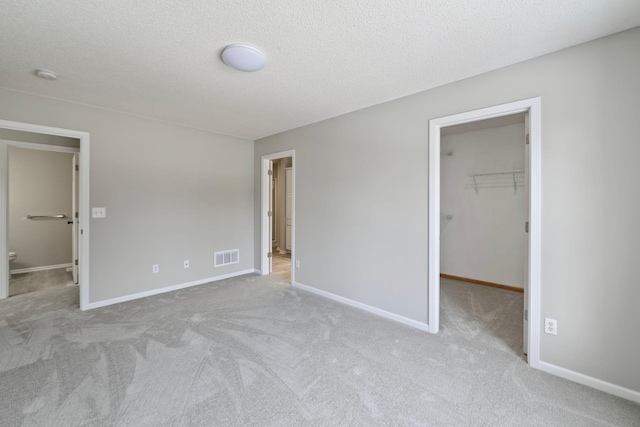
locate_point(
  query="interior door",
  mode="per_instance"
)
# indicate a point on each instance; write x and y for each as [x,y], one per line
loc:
[288,207]
[527,175]
[270,216]
[75,180]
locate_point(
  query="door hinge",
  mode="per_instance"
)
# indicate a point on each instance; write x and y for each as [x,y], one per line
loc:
[76,262]
[527,139]
[269,213]
[526,315]
[270,172]
[526,227]
[269,254]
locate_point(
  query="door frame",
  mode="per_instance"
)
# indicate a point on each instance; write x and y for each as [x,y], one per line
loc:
[533,107]
[83,208]
[75,227]
[265,240]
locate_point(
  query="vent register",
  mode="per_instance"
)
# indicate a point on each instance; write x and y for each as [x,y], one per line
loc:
[226,257]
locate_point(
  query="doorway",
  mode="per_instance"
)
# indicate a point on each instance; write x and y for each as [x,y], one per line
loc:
[482,230]
[531,314]
[278,215]
[82,198]
[42,207]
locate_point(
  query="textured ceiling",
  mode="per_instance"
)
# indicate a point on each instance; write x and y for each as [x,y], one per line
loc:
[161,58]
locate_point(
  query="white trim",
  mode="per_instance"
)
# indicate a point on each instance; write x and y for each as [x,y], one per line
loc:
[373,310]
[533,106]
[434,227]
[42,147]
[4,220]
[83,259]
[265,243]
[43,268]
[171,288]
[616,390]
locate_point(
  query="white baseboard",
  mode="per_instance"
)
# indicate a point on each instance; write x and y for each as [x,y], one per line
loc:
[43,268]
[172,288]
[579,378]
[377,311]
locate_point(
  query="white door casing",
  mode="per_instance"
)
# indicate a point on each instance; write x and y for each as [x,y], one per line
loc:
[288,207]
[525,314]
[532,106]
[270,215]
[74,217]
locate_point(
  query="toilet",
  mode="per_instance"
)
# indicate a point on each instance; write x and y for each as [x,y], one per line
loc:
[12,257]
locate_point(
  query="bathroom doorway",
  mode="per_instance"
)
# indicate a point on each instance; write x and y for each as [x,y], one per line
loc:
[44,138]
[42,186]
[278,220]
[281,208]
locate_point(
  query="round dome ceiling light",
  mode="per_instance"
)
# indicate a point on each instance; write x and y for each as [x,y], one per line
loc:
[243,57]
[46,74]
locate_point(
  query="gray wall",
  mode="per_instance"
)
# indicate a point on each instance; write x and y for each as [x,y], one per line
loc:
[172,193]
[485,238]
[39,184]
[362,189]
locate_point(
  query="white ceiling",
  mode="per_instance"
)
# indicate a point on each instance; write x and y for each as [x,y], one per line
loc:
[161,58]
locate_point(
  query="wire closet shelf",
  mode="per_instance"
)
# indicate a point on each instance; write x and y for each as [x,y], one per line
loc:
[505,179]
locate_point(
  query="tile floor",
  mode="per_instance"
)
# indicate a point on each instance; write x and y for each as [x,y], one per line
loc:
[281,266]
[22,283]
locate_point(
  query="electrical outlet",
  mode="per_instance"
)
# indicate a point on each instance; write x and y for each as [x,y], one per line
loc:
[186,263]
[155,268]
[98,212]
[297,263]
[550,326]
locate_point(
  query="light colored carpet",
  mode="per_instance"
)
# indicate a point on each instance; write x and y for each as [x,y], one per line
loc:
[254,351]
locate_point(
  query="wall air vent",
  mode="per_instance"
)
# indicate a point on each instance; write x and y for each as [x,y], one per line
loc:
[226,257]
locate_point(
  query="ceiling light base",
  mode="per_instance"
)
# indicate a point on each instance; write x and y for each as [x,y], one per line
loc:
[243,57]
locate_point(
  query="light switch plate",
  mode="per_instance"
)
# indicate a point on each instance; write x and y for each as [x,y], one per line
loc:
[98,212]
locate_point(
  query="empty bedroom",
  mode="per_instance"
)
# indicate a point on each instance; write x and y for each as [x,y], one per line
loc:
[319,213]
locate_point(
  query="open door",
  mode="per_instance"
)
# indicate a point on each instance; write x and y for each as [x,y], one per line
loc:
[270,218]
[288,206]
[527,177]
[75,181]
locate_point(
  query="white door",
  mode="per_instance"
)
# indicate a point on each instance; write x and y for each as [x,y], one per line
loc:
[288,207]
[527,172]
[75,180]
[270,217]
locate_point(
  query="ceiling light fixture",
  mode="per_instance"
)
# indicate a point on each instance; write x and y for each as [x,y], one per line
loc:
[243,57]
[46,74]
